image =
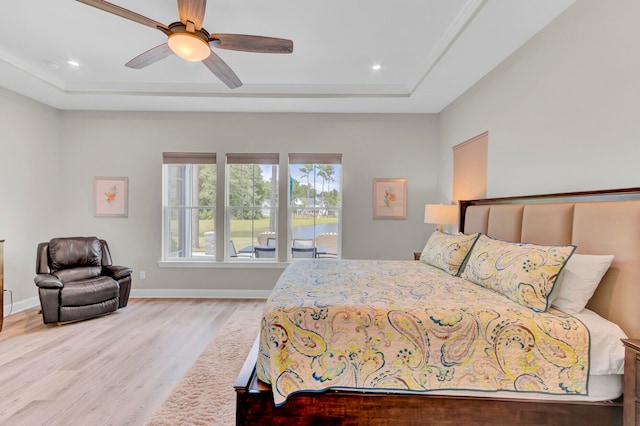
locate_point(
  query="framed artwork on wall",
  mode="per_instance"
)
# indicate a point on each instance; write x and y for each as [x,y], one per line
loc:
[111,196]
[389,198]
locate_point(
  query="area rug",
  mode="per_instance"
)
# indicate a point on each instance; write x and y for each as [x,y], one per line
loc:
[205,395]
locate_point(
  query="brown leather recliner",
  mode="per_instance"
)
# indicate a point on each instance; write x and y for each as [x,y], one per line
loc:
[76,279]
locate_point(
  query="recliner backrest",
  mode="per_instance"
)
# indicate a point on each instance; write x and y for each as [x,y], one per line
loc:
[106,255]
[74,252]
[76,258]
[43,259]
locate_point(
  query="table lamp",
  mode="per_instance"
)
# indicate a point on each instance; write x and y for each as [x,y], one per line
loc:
[440,214]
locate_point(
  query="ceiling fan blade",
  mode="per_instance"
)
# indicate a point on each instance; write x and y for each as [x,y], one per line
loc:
[192,10]
[125,13]
[251,43]
[150,56]
[220,68]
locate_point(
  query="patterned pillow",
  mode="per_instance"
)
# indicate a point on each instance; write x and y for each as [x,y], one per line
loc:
[525,273]
[447,252]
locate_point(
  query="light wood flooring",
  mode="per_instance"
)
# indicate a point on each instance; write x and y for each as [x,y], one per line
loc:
[112,370]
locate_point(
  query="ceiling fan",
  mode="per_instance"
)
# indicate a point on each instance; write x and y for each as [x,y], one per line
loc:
[188,40]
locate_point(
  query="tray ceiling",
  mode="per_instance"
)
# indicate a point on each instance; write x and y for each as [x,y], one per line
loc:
[430,52]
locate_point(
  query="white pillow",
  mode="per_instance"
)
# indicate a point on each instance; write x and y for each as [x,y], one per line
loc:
[578,281]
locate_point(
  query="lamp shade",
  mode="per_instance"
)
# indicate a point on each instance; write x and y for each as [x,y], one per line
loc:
[189,47]
[440,214]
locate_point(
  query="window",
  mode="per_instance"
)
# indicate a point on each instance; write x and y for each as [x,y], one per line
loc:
[244,198]
[315,203]
[189,205]
[252,206]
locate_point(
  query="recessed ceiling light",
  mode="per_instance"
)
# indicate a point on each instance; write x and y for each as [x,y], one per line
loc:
[73,63]
[376,67]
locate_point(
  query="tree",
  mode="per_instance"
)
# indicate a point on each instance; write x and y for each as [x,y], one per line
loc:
[273,201]
[332,198]
[326,173]
[306,171]
[247,188]
[195,213]
[300,191]
[207,188]
[203,184]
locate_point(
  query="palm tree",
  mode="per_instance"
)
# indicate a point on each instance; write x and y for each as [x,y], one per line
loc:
[306,171]
[326,173]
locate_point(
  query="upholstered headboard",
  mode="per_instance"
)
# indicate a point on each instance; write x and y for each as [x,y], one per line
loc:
[598,222]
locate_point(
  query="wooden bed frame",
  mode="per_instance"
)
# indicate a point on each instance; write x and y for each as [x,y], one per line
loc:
[613,227]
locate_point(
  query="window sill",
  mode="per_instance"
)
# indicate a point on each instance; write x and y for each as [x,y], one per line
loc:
[239,264]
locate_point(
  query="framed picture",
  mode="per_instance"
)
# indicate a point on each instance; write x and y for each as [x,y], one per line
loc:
[111,196]
[389,198]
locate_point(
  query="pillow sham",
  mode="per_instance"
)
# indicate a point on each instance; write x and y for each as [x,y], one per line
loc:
[524,273]
[578,281]
[448,252]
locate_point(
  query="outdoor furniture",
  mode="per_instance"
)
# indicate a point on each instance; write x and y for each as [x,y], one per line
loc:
[303,252]
[265,252]
[302,242]
[262,237]
[269,251]
[329,241]
[234,253]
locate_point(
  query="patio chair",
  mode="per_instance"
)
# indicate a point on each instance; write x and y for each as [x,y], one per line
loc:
[262,237]
[329,241]
[234,253]
[265,252]
[302,242]
[303,252]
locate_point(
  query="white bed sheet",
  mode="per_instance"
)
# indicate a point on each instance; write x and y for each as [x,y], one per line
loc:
[601,388]
[607,351]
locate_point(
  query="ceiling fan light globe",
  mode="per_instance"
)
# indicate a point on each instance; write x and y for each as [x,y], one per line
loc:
[189,47]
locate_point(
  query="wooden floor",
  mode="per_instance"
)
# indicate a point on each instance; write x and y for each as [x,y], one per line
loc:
[112,370]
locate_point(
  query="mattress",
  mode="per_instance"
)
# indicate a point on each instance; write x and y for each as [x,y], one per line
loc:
[305,342]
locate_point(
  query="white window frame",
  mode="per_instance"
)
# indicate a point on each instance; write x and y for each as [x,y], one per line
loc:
[221,212]
[188,159]
[271,159]
[315,159]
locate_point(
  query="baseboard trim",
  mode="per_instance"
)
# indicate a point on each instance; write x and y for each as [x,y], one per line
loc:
[33,302]
[22,305]
[199,294]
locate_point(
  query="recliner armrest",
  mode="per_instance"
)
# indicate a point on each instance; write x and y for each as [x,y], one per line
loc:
[48,281]
[116,272]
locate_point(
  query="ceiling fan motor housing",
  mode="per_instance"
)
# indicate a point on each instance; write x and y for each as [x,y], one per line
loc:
[179,27]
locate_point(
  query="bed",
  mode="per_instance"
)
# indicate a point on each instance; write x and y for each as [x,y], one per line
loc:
[541,370]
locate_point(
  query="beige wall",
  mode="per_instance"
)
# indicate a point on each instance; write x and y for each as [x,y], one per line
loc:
[88,144]
[31,190]
[562,112]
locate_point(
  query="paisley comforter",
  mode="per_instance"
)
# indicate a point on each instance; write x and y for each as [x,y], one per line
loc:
[407,326]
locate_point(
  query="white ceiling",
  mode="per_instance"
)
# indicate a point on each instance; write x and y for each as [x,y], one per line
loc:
[431,51]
